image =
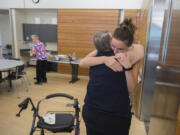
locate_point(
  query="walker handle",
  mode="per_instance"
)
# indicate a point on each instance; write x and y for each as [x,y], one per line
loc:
[59,95]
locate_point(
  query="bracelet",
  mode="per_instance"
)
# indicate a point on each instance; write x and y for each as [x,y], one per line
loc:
[128,69]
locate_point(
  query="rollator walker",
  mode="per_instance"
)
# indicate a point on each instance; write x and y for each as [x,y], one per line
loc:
[55,122]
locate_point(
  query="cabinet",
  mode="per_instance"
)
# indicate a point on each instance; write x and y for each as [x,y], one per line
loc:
[24,52]
[46,32]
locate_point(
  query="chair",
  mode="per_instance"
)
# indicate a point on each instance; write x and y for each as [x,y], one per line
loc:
[3,77]
[16,75]
[24,73]
[8,51]
[23,68]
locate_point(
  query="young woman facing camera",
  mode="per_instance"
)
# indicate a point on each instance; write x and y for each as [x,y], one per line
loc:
[113,75]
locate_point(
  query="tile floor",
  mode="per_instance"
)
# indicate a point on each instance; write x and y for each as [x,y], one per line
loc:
[12,125]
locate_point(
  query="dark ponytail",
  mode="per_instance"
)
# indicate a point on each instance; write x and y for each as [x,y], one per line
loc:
[125,32]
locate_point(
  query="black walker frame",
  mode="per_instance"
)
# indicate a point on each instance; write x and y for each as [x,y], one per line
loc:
[74,124]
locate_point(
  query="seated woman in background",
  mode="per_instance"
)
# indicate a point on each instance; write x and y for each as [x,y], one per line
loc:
[112,77]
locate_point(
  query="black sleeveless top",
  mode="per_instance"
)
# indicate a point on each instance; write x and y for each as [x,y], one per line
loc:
[107,90]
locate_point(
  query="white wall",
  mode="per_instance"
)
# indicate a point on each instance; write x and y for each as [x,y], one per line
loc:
[6,4]
[29,16]
[5,31]
[45,17]
[20,19]
[145,4]
[21,16]
[176,5]
[17,18]
[73,4]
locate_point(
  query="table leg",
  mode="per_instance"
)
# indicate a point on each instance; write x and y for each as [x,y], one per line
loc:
[10,81]
[74,73]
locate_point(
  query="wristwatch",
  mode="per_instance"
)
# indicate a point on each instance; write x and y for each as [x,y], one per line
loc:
[127,69]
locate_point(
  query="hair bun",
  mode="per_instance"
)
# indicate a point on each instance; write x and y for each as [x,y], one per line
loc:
[127,24]
[124,27]
[125,32]
[128,21]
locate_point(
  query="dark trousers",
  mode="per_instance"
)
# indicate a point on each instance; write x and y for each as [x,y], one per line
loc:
[0,76]
[100,123]
[41,70]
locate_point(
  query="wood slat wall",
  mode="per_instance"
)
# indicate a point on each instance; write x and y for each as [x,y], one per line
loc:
[140,20]
[76,29]
[139,17]
[132,13]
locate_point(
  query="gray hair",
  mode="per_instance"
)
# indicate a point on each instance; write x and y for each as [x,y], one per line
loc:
[36,36]
[102,41]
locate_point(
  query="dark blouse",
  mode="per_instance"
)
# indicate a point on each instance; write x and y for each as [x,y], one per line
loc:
[107,90]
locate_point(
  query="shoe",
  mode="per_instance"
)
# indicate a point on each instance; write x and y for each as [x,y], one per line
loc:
[38,83]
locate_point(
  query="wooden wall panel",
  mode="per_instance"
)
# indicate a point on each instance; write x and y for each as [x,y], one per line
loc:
[139,17]
[132,13]
[76,29]
[142,26]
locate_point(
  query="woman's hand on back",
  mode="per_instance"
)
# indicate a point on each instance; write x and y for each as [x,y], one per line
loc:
[113,64]
[123,59]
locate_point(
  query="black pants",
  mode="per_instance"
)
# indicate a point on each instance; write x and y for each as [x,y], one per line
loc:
[41,70]
[100,123]
[0,76]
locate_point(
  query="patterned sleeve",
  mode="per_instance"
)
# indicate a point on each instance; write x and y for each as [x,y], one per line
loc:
[34,48]
[43,46]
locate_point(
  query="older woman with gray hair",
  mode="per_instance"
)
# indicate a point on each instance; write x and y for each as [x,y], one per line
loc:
[112,77]
[39,51]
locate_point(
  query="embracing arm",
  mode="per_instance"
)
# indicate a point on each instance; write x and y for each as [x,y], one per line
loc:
[135,54]
[131,75]
[91,60]
[132,78]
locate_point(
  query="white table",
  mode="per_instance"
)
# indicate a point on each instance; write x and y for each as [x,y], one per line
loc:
[63,61]
[7,66]
[74,65]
